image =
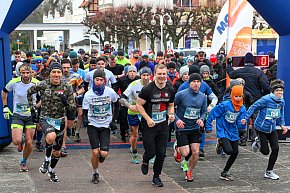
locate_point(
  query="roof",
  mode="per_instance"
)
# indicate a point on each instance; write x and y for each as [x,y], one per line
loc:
[84,42]
[84,4]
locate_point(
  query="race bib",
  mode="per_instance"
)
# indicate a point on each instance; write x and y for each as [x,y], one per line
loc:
[101,110]
[22,108]
[191,113]
[54,122]
[231,117]
[272,113]
[159,117]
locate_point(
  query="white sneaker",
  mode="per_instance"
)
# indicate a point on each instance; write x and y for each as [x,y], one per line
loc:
[256,144]
[271,175]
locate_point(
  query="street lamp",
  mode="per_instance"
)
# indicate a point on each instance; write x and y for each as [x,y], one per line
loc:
[161,17]
[88,35]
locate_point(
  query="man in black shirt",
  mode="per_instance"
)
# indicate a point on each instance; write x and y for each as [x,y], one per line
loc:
[116,69]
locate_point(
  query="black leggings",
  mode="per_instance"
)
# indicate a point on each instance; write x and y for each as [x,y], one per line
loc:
[273,140]
[230,148]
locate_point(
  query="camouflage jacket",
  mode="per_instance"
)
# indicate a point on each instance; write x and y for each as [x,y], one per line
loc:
[55,99]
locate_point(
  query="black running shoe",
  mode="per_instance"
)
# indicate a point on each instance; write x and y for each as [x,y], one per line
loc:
[53,177]
[101,159]
[95,178]
[44,167]
[157,182]
[144,168]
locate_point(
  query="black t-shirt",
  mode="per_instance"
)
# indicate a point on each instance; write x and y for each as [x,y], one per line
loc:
[117,70]
[157,101]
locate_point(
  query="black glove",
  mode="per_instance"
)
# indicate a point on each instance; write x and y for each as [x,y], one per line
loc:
[63,98]
[34,115]
[229,61]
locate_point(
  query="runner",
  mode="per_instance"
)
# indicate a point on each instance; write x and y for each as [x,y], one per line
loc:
[191,109]
[57,101]
[98,115]
[155,104]
[131,94]
[23,129]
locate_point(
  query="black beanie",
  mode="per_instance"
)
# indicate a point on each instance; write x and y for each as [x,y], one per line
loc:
[194,76]
[159,53]
[171,65]
[193,69]
[55,65]
[249,58]
[276,84]
[99,73]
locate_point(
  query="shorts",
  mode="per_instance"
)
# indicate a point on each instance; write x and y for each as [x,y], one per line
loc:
[99,137]
[188,137]
[79,101]
[20,122]
[133,120]
[47,128]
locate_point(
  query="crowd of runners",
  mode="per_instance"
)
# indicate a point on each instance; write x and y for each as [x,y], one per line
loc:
[148,96]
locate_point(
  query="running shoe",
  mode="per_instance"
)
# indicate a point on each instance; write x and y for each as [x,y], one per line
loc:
[77,138]
[219,146]
[144,168]
[184,165]
[225,175]
[188,176]
[256,144]
[39,147]
[201,155]
[271,175]
[152,160]
[53,177]
[177,155]
[23,167]
[157,182]
[44,167]
[135,158]
[95,178]
[63,152]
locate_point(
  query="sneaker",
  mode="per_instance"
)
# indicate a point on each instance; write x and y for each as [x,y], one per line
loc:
[144,168]
[152,160]
[77,138]
[177,155]
[20,146]
[135,159]
[131,150]
[226,176]
[271,175]
[219,146]
[63,152]
[201,155]
[44,167]
[101,159]
[39,147]
[23,167]
[53,177]
[157,182]
[256,144]
[223,154]
[95,178]
[188,176]
[243,143]
[184,165]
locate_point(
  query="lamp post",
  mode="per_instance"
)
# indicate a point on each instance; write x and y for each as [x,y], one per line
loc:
[169,22]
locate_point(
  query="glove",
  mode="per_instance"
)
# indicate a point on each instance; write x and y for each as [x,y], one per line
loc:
[34,115]
[64,99]
[7,113]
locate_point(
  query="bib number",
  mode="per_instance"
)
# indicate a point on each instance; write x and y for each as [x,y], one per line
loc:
[231,117]
[54,122]
[272,113]
[22,108]
[159,117]
[101,110]
[192,113]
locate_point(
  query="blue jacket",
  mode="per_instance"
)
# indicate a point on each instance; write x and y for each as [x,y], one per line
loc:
[271,110]
[204,88]
[228,121]
[191,106]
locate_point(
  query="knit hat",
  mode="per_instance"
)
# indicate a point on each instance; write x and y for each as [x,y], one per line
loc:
[160,53]
[183,70]
[233,82]
[249,58]
[171,65]
[194,76]
[145,55]
[55,65]
[73,54]
[237,90]
[132,68]
[99,73]
[204,68]
[271,54]
[276,84]
[38,58]
[145,70]
[241,81]
[193,69]
[120,53]
[43,50]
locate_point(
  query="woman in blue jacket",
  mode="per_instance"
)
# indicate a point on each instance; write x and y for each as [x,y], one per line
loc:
[229,115]
[271,111]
